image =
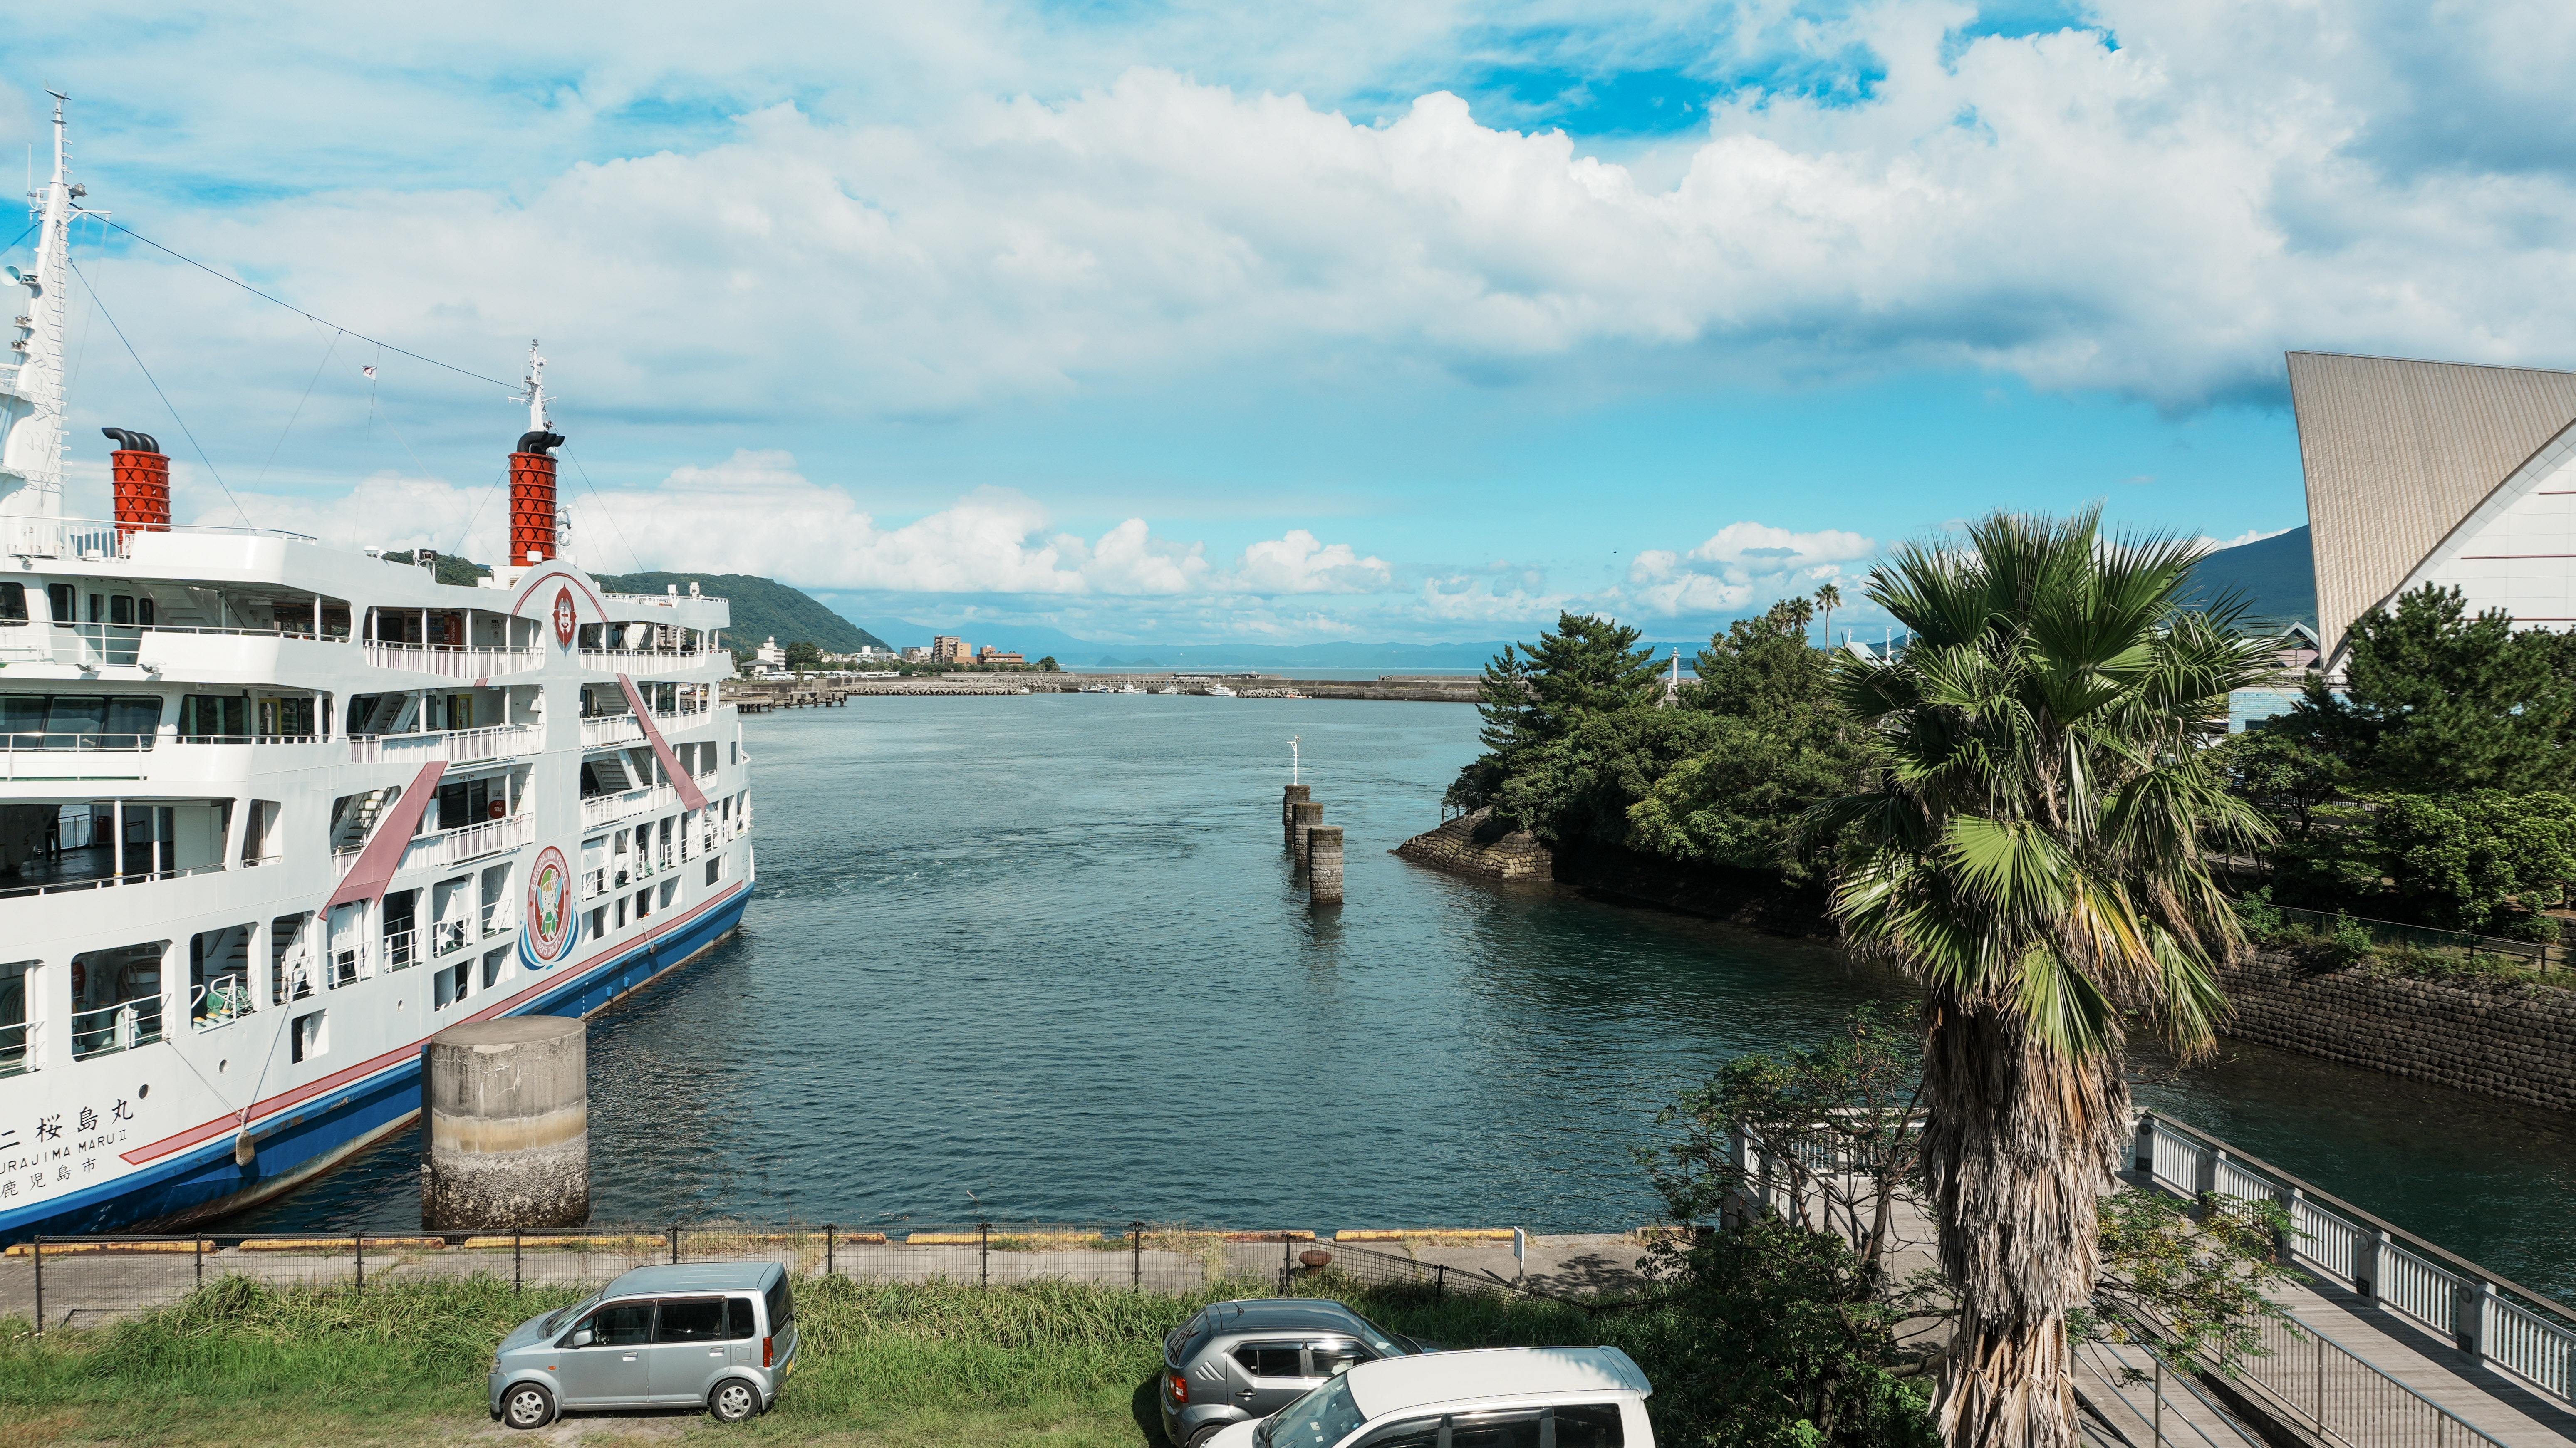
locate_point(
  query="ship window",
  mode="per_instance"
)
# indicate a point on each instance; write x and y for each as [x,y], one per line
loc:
[14,980]
[599,922]
[214,716]
[13,604]
[309,1039]
[120,609]
[715,867]
[116,998]
[219,975]
[133,717]
[494,962]
[144,612]
[259,831]
[643,902]
[58,601]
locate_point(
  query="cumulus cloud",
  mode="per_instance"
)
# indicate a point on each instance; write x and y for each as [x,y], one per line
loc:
[1740,566]
[756,513]
[2161,213]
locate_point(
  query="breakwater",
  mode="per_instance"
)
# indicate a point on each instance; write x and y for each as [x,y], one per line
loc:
[2512,1040]
[1415,689]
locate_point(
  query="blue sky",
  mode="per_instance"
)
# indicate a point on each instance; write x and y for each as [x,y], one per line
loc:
[1197,322]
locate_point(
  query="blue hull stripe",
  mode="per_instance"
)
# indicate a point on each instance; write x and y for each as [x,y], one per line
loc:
[340,1121]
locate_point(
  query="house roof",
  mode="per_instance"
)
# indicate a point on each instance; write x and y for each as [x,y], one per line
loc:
[2398,452]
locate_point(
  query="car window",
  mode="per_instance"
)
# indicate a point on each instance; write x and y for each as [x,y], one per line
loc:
[1517,1429]
[691,1319]
[1411,1433]
[1323,1418]
[782,1307]
[741,1323]
[1270,1359]
[1588,1425]
[1335,1355]
[569,1313]
[622,1324]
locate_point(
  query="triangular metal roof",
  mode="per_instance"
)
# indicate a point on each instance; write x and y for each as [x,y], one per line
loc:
[2397,453]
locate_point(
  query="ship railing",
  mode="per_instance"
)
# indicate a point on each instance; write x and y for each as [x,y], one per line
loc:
[455,847]
[102,538]
[76,743]
[449,935]
[454,661]
[645,661]
[607,808]
[401,948]
[100,882]
[18,1054]
[498,919]
[451,746]
[220,1001]
[660,600]
[103,1030]
[611,729]
[248,738]
[2505,1325]
[594,883]
[351,963]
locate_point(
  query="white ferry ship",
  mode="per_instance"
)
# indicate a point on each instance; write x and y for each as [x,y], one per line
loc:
[273,813]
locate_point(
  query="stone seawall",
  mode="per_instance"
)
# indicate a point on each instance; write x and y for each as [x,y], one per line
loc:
[1478,844]
[2504,1039]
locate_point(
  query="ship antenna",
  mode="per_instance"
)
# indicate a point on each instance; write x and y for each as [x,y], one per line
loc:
[31,392]
[535,396]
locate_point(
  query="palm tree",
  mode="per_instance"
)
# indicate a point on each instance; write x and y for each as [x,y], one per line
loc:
[1829,598]
[2038,855]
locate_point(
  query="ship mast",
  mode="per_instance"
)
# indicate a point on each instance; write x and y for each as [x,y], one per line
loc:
[31,391]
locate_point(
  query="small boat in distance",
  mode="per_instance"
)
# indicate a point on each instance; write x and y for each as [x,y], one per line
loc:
[1219,691]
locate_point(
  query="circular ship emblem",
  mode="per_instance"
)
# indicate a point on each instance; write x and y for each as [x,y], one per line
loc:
[550,918]
[563,617]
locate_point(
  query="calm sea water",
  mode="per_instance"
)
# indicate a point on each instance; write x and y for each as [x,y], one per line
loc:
[1042,958]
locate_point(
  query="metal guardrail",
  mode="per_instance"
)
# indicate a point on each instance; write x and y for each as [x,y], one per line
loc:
[2342,1397]
[102,1278]
[2524,1333]
[2540,956]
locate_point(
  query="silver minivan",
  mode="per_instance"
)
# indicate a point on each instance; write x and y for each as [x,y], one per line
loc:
[721,1334]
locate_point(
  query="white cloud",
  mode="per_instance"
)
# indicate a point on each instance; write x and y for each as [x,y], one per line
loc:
[1298,563]
[1742,565]
[2160,215]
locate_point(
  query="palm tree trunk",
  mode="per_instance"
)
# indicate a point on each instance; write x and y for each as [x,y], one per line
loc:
[2020,1146]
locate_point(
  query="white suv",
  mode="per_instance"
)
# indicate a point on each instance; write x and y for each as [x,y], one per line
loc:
[1507,1397]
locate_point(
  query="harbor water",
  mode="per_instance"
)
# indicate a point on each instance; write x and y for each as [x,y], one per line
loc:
[1042,958]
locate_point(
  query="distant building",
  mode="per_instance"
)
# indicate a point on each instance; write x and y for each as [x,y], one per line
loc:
[992,655]
[916,654]
[950,649]
[769,655]
[2440,473]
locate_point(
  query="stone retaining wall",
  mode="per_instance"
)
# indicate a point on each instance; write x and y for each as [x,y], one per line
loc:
[1477,844]
[2504,1039]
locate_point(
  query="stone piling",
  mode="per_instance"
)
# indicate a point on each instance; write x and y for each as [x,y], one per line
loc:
[507,1103]
[1304,815]
[1289,797]
[1324,864]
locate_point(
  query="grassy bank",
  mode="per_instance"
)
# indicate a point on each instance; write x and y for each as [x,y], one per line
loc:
[1057,1364]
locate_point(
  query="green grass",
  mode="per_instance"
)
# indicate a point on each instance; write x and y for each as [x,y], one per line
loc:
[880,1363]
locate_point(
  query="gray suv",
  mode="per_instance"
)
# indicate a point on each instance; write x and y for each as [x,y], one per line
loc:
[722,1334]
[1238,1361]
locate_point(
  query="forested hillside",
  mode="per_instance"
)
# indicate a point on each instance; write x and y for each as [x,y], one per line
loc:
[762,608]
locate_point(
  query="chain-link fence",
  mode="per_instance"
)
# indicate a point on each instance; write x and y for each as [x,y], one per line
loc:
[2532,955]
[56,1282]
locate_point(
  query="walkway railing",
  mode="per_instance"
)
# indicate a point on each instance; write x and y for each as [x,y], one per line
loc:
[2507,1326]
[609,808]
[2530,954]
[450,746]
[2339,1395]
[451,661]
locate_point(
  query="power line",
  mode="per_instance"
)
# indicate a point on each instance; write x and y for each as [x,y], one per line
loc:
[299,311]
[156,388]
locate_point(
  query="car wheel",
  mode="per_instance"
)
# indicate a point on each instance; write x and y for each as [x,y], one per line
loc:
[528,1405]
[733,1401]
[1206,1435]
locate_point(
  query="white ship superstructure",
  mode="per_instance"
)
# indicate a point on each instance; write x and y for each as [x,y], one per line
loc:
[273,813]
